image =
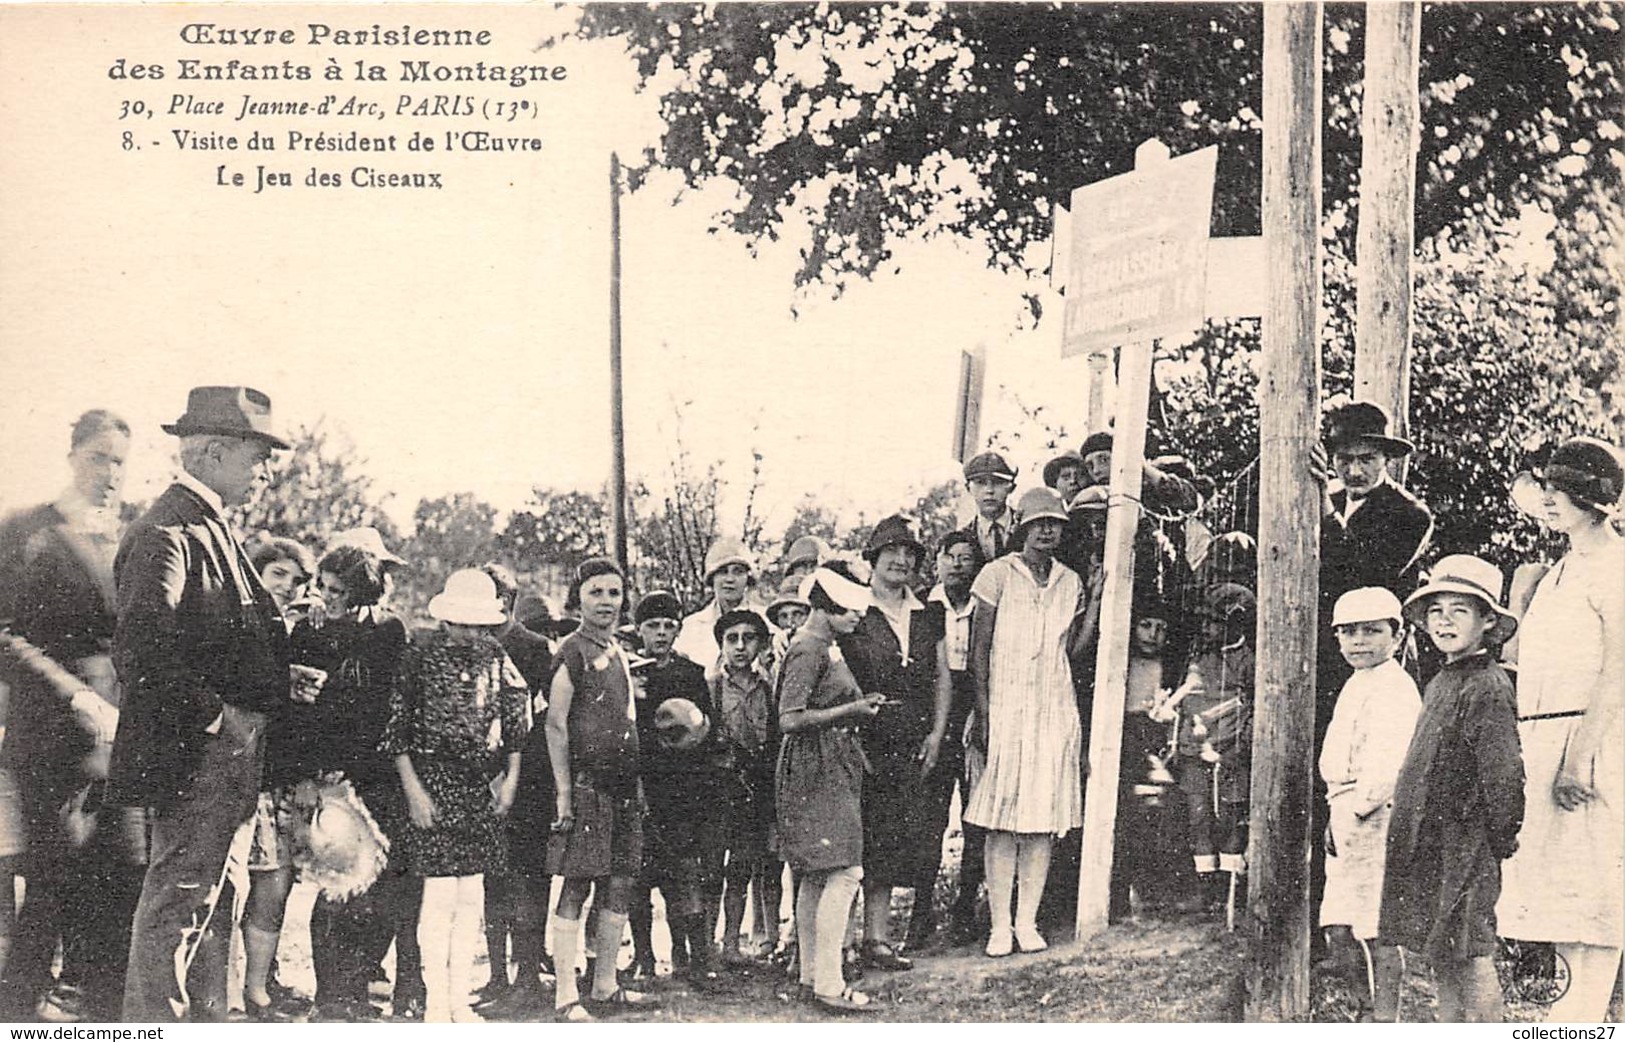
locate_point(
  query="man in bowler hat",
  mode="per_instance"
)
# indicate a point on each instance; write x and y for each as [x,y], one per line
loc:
[202,654]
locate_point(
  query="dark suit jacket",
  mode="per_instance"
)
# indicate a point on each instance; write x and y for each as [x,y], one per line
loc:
[195,630]
[1381,545]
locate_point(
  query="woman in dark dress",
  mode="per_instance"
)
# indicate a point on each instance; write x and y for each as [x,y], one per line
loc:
[898,650]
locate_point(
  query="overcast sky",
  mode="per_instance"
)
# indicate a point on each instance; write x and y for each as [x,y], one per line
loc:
[459,338]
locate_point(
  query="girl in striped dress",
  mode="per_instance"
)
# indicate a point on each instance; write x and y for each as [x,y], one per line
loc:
[1027,716]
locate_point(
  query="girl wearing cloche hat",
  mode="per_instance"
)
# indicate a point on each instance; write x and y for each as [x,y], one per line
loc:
[458,717]
[1564,883]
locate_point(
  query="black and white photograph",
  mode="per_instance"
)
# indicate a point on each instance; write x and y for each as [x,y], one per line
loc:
[812,513]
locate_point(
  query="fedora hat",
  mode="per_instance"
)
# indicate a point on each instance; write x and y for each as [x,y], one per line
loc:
[239,412]
[1472,577]
[1052,469]
[893,531]
[365,538]
[989,465]
[1363,421]
[468,599]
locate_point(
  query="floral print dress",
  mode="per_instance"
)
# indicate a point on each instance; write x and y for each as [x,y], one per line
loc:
[458,707]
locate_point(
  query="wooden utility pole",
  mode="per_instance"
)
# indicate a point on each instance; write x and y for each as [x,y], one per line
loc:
[617,422]
[1289,520]
[1388,133]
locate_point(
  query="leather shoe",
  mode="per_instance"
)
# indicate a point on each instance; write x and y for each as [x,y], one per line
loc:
[882,956]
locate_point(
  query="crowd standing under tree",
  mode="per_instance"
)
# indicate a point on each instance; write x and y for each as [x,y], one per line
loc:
[191,720]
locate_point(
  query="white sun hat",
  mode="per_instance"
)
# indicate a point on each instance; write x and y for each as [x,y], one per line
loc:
[468,599]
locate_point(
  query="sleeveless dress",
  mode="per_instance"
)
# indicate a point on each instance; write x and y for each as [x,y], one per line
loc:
[1565,882]
[1032,782]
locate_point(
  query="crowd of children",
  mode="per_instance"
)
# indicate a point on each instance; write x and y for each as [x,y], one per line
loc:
[479,772]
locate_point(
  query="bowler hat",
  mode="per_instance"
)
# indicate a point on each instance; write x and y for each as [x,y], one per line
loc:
[1052,469]
[659,604]
[1587,469]
[729,619]
[893,531]
[239,412]
[1363,421]
[989,465]
[1472,577]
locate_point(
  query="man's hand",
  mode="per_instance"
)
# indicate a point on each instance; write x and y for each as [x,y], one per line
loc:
[1320,469]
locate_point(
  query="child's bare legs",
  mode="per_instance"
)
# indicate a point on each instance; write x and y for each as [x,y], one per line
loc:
[735,884]
[1000,854]
[468,912]
[808,890]
[1032,871]
[767,884]
[262,926]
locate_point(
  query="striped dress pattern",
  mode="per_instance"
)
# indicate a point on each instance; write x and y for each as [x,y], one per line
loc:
[1033,780]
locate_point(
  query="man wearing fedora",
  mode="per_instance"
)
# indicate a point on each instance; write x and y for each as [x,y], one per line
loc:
[202,654]
[1372,532]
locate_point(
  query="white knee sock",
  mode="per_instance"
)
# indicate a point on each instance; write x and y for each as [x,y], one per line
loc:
[566,954]
[611,926]
[1032,871]
[1000,863]
[834,906]
[465,938]
[435,922]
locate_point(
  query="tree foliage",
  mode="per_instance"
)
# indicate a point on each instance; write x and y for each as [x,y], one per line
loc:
[322,487]
[867,123]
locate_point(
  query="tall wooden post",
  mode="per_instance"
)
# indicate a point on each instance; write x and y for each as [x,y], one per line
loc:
[1388,130]
[617,423]
[1100,368]
[1289,520]
[1116,609]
